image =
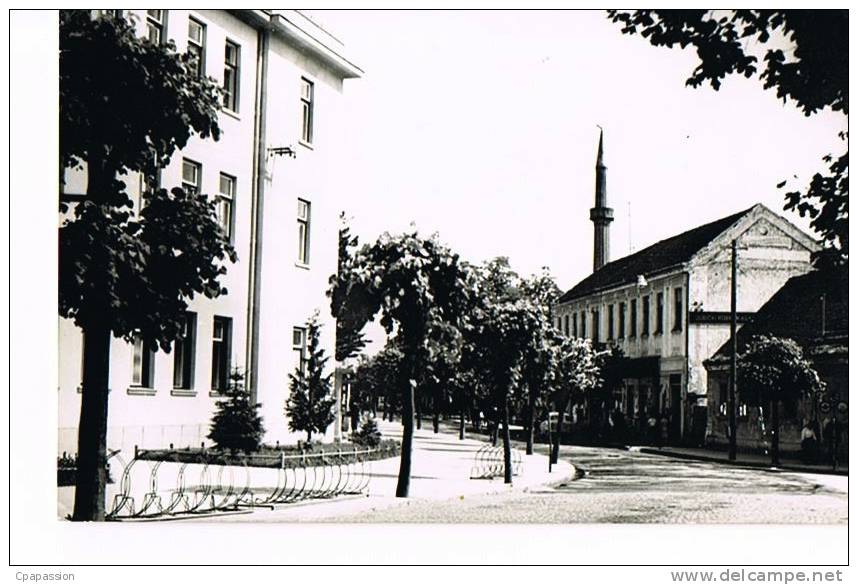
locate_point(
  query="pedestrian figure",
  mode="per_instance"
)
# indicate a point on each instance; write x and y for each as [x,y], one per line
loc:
[808,444]
[652,429]
[665,428]
[619,421]
[829,441]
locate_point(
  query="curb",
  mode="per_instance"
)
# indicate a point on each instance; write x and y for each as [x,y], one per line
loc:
[749,464]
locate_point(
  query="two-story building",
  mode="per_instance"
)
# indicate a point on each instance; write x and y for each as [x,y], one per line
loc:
[667,306]
[273,175]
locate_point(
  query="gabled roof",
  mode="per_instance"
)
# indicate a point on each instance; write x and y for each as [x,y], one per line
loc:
[654,259]
[796,312]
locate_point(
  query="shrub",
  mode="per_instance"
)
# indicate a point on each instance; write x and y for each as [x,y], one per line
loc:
[236,424]
[368,435]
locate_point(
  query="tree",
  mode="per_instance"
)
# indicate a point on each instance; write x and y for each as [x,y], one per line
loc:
[375,378]
[126,105]
[310,406]
[415,284]
[349,304]
[540,366]
[236,424]
[814,76]
[578,374]
[772,371]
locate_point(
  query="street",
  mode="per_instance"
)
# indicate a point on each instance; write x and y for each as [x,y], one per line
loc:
[632,487]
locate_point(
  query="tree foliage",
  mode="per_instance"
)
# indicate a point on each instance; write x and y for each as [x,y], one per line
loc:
[349,304]
[107,73]
[127,105]
[418,288]
[774,369]
[813,74]
[309,407]
[236,424]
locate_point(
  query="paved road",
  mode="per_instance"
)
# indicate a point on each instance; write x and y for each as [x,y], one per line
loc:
[632,487]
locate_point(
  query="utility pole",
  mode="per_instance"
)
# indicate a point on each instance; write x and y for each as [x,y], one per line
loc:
[731,396]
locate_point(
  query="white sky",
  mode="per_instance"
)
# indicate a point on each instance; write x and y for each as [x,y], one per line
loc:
[482,126]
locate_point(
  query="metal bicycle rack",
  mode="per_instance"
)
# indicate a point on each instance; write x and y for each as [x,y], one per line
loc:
[488,462]
[158,488]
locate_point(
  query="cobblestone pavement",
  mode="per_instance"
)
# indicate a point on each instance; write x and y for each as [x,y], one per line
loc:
[632,487]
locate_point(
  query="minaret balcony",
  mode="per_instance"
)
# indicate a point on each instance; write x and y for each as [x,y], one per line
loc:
[602,214]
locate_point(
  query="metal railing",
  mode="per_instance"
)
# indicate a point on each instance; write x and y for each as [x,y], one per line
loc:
[489,463]
[152,488]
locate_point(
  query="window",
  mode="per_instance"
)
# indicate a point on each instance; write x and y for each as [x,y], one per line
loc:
[723,388]
[225,204]
[155,21]
[112,13]
[633,318]
[142,363]
[191,176]
[184,352]
[610,321]
[645,310]
[566,324]
[197,46]
[306,111]
[596,325]
[303,231]
[299,344]
[583,324]
[574,324]
[559,324]
[622,314]
[148,184]
[221,349]
[659,313]
[677,309]
[231,54]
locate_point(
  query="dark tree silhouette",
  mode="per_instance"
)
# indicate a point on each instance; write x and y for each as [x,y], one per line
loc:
[126,105]
[813,74]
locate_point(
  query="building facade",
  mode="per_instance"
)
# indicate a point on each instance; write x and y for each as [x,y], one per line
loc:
[812,310]
[271,174]
[667,307]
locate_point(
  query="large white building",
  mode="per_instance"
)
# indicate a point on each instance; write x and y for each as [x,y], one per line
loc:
[667,307]
[274,175]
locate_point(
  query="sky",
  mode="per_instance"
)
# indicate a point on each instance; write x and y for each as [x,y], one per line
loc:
[483,126]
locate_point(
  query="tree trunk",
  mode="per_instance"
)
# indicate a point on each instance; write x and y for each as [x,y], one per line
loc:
[417,410]
[776,434]
[355,421]
[309,437]
[92,428]
[530,421]
[407,438]
[555,448]
[507,451]
[462,425]
[435,422]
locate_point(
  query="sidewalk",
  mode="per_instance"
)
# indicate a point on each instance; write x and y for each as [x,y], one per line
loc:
[742,459]
[440,470]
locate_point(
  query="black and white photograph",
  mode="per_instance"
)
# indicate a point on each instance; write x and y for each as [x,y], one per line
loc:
[580,273]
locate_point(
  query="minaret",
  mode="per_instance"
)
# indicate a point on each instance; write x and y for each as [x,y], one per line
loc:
[601,215]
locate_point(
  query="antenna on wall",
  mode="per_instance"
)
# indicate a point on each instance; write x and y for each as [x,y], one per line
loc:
[631,248]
